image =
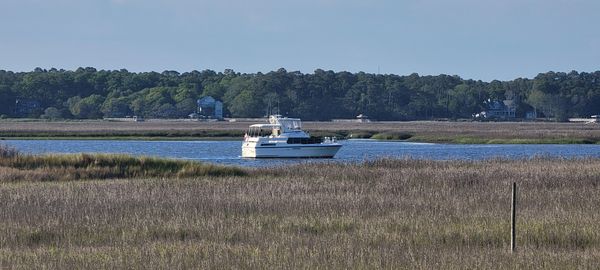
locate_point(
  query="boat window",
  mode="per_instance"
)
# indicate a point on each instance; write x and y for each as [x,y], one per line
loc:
[264,131]
[311,140]
[254,132]
[295,124]
[290,124]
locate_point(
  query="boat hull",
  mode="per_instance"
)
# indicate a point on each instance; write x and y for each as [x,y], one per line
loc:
[251,150]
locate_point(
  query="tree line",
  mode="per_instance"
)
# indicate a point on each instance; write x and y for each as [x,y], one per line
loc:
[322,95]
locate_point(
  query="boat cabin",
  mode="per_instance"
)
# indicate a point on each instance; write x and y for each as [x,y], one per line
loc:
[278,127]
[287,124]
[264,130]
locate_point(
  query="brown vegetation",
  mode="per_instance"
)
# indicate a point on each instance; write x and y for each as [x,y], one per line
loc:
[452,132]
[381,214]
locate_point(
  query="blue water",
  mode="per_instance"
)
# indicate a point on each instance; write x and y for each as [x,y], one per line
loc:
[228,152]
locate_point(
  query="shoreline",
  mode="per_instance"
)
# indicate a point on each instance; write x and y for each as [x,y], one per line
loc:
[416,139]
[121,138]
[412,131]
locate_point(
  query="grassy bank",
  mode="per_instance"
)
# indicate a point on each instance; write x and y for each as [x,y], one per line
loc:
[16,167]
[476,140]
[419,131]
[126,138]
[383,214]
[125,135]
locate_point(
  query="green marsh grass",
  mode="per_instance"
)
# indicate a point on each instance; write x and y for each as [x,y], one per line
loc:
[362,134]
[396,136]
[18,167]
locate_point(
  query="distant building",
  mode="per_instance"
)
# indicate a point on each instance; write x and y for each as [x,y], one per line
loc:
[25,107]
[505,110]
[128,118]
[531,115]
[361,118]
[208,107]
[498,110]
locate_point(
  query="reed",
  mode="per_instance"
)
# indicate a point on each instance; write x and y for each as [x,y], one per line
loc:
[7,152]
[392,136]
[361,134]
[482,140]
[387,213]
[22,167]
[422,131]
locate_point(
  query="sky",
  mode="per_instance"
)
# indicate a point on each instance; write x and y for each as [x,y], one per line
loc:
[474,39]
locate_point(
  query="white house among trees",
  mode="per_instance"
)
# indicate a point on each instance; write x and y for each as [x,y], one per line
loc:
[209,107]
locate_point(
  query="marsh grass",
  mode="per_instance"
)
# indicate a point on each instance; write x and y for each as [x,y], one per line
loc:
[392,136]
[361,134]
[480,140]
[23,167]
[7,152]
[124,134]
[421,131]
[387,213]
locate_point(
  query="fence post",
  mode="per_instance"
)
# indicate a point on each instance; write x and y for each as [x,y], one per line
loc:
[513,218]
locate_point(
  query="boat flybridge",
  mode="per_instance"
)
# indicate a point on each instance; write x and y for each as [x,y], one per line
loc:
[284,138]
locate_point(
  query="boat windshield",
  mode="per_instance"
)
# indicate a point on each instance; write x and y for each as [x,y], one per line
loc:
[290,124]
[263,130]
[257,132]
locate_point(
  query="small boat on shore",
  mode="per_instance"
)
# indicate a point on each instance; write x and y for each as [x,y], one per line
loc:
[284,138]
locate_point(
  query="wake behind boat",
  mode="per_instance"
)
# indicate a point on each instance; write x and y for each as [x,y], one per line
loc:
[284,138]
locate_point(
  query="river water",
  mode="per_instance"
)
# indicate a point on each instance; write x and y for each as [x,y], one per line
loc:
[228,152]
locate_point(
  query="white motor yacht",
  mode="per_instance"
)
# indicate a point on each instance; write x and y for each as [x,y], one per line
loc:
[284,138]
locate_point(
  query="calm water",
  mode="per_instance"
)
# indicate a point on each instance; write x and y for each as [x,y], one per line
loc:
[228,152]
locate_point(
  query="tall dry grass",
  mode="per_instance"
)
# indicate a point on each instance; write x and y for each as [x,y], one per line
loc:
[393,214]
[455,132]
[7,152]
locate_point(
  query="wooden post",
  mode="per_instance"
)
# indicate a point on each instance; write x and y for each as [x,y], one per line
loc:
[513,218]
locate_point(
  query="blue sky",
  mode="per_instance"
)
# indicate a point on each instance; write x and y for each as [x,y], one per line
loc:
[475,39]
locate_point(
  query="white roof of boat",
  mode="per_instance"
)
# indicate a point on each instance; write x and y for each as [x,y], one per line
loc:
[266,125]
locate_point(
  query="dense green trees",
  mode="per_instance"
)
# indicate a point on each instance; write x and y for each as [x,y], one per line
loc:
[322,95]
[86,108]
[116,107]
